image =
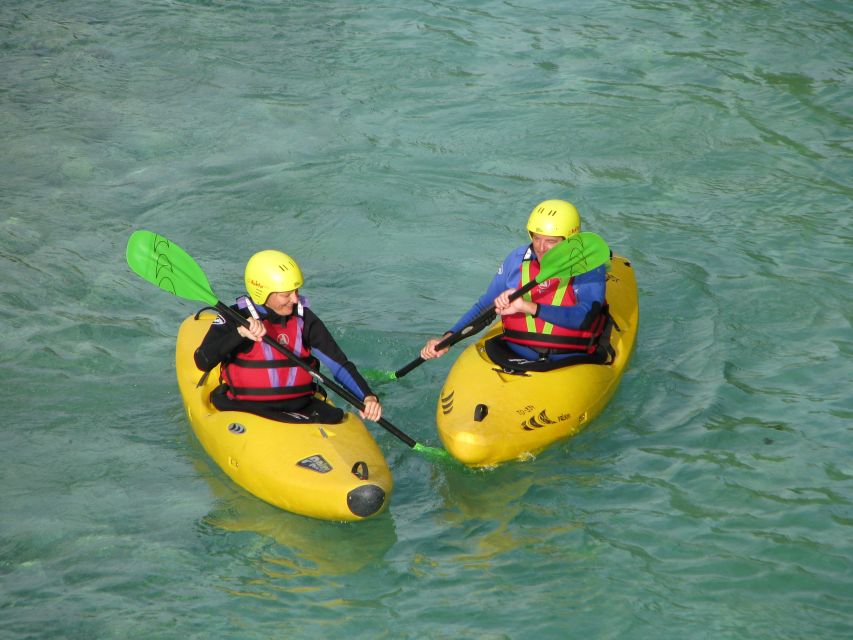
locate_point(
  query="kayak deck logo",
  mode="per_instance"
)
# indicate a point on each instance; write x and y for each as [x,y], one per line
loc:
[539,421]
[315,463]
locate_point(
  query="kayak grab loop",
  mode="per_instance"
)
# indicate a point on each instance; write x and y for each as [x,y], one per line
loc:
[366,500]
[480,412]
[360,471]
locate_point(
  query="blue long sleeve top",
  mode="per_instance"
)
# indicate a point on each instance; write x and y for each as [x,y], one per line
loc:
[589,288]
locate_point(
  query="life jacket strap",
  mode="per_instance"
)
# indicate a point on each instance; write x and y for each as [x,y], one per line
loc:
[306,389]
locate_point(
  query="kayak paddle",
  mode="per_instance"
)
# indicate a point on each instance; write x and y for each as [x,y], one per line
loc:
[573,256]
[163,263]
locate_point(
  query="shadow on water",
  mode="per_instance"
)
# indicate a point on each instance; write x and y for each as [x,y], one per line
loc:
[489,513]
[290,545]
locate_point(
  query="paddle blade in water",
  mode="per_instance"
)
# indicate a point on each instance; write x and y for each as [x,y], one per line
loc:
[164,264]
[573,256]
[378,375]
[435,453]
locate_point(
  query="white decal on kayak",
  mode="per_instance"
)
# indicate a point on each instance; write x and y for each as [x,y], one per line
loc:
[315,463]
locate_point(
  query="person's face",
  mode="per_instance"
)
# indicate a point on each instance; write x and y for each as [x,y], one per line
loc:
[542,244]
[282,301]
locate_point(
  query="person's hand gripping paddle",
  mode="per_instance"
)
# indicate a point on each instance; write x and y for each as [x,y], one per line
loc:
[573,256]
[164,264]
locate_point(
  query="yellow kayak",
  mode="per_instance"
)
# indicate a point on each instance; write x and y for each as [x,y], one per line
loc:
[486,416]
[327,471]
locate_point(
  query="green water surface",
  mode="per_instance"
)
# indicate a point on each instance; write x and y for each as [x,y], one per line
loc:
[395,150]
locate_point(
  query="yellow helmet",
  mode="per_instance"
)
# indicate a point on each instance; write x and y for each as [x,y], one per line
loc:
[554,218]
[271,271]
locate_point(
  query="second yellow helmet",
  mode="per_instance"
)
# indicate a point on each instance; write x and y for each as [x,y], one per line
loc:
[271,271]
[554,218]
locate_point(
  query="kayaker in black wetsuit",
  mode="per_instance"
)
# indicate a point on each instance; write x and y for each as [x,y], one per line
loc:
[257,378]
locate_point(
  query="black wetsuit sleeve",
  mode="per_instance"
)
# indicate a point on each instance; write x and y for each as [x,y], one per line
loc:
[220,342]
[323,346]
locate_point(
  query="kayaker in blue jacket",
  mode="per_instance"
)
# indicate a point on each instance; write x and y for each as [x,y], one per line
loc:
[259,379]
[559,318]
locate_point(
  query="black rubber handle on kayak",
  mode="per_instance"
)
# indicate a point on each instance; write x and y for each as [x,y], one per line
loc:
[319,377]
[483,319]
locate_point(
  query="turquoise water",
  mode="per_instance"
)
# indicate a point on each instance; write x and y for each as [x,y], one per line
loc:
[395,150]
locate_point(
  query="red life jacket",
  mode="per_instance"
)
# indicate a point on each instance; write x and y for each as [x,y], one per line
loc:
[522,328]
[265,374]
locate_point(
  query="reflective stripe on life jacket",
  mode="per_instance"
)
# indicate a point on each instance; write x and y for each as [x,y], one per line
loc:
[523,328]
[264,373]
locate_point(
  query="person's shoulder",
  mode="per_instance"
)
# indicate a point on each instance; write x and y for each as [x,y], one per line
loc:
[221,322]
[309,316]
[599,274]
[517,254]
[512,260]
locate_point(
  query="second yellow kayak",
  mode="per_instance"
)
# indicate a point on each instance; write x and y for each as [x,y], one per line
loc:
[486,416]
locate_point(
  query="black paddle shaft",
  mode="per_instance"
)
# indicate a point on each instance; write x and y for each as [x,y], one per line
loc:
[319,377]
[479,323]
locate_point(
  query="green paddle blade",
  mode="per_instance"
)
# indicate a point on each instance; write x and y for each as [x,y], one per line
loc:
[164,264]
[435,453]
[378,375]
[573,256]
